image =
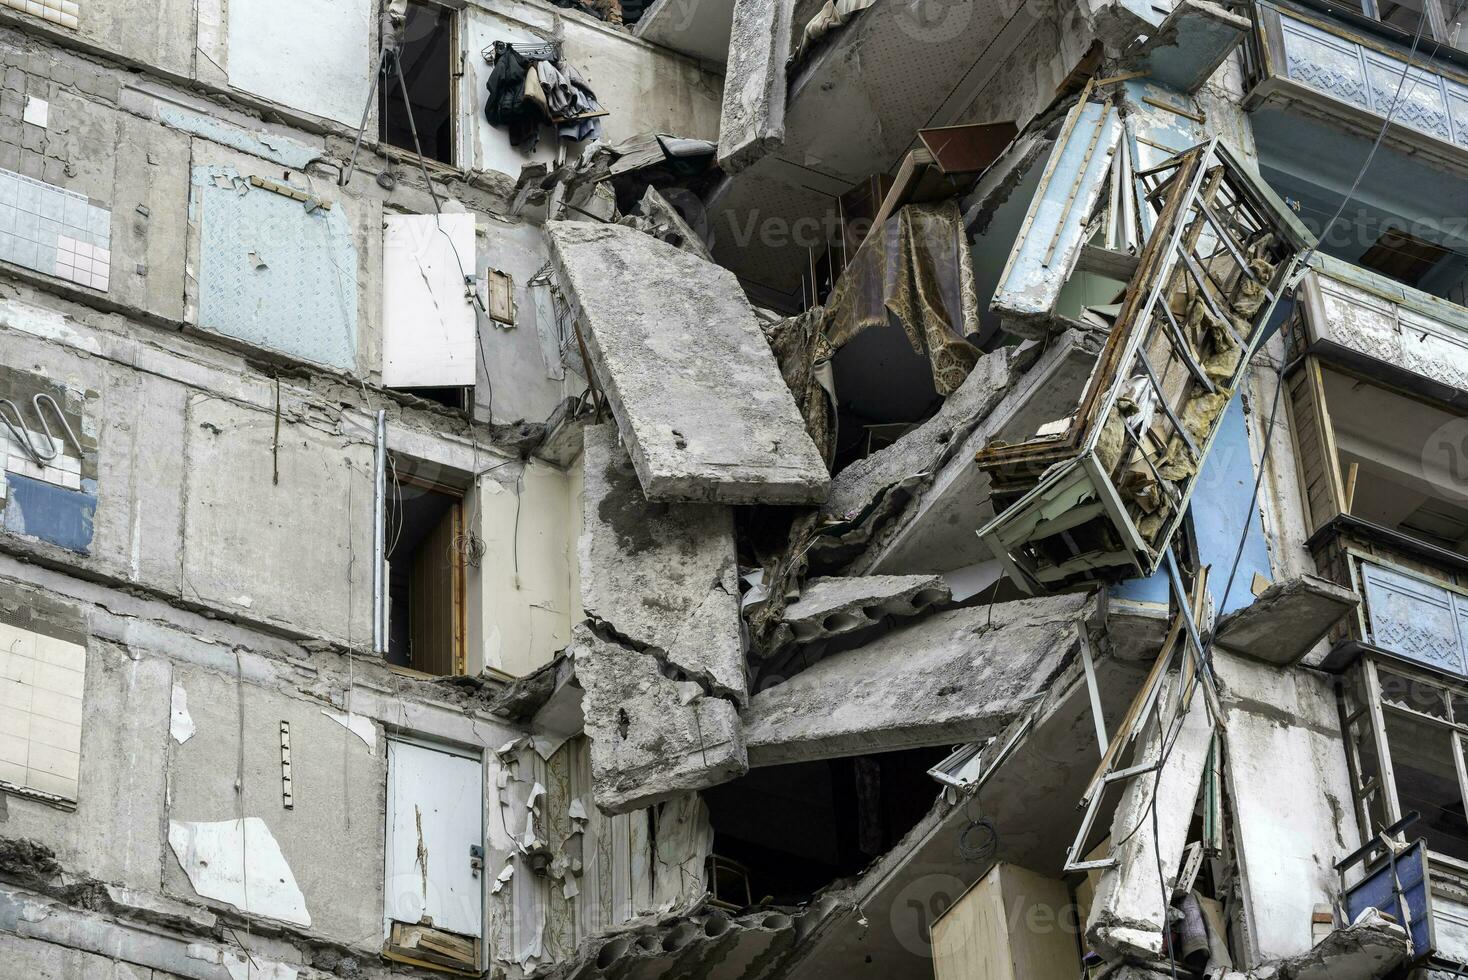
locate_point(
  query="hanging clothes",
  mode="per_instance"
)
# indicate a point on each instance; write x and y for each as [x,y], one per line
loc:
[529,90]
[568,97]
[508,107]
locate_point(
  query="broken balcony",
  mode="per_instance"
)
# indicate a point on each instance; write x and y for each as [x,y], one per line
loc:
[1376,407]
[1097,495]
[1344,67]
[1404,735]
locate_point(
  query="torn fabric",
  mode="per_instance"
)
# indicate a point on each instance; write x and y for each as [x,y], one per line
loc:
[833,15]
[919,274]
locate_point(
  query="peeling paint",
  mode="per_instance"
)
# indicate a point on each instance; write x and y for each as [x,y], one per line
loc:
[359,725]
[239,862]
[180,725]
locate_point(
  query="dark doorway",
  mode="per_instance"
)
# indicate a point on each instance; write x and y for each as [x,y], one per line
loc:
[426,613]
[796,828]
[427,56]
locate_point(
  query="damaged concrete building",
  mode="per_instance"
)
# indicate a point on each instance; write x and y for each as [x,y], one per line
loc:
[747,490]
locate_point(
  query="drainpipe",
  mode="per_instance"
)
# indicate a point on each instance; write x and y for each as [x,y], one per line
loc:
[379,536]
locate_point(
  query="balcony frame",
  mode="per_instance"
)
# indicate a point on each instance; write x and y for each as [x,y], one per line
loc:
[1269,78]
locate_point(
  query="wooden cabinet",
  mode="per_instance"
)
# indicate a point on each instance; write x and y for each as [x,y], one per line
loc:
[1011,925]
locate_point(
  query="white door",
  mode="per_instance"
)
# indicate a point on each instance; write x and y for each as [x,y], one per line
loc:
[435,808]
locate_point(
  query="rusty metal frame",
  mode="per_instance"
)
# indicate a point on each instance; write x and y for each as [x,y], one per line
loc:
[1202,189]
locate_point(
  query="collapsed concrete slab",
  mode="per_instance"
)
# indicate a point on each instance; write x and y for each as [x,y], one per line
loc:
[661,220]
[935,532]
[957,676]
[753,119]
[1190,44]
[832,606]
[679,354]
[1151,825]
[664,575]
[705,943]
[652,737]
[1285,622]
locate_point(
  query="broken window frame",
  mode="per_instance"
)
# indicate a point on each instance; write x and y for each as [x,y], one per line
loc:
[391,75]
[1057,483]
[457,513]
[1364,707]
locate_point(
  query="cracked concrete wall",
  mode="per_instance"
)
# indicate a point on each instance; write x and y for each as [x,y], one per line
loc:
[652,737]
[1289,831]
[663,575]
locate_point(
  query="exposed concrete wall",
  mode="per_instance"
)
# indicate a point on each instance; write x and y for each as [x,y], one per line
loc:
[132,145]
[142,771]
[188,506]
[333,832]
[529,578]
[1290,829]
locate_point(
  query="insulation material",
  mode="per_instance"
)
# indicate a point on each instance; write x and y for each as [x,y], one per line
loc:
[832,15]
[918,272]
[804,356]
[240,863]
[311,55]
[428,315]
[1056,225]
[273,271]
[180,724]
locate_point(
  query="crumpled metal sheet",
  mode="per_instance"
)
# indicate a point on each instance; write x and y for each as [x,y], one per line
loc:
[918,271]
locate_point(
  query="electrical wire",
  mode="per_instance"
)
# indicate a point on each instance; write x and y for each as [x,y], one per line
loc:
[1168,740]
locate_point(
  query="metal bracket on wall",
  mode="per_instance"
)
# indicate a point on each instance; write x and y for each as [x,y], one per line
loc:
[287,798]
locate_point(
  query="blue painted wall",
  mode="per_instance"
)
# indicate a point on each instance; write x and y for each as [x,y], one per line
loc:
[51,513]
[1221,504]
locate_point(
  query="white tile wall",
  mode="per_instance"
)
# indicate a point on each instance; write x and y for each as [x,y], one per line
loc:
[53,230]
[63,471]
[41,684]
[63,12]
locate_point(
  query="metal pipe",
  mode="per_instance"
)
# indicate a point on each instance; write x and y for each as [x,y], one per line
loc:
[379,536]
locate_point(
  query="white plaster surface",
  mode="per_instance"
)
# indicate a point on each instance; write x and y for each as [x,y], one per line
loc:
[310,55]
[239,862]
